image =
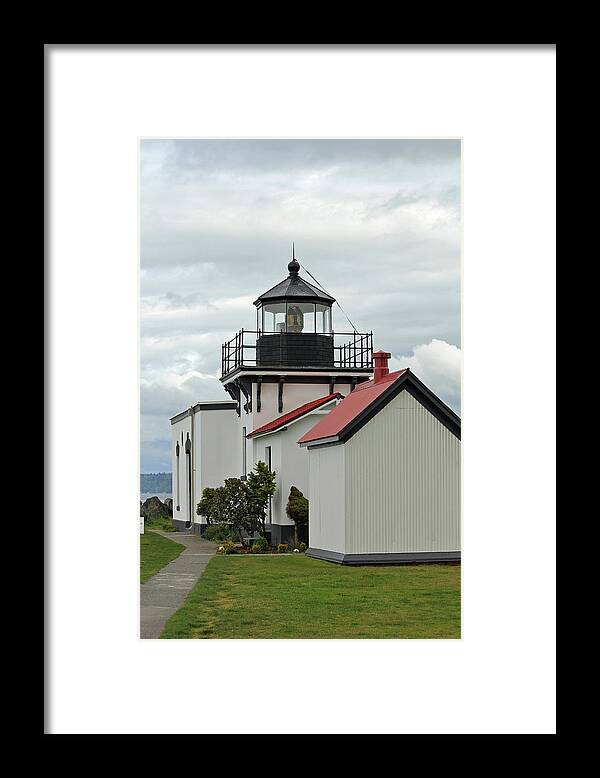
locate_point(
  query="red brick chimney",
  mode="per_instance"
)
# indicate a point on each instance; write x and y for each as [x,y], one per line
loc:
[380,358]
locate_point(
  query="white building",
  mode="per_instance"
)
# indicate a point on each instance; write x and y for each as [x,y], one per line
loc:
[384,474]
[276,443]
[378,459]
[203,439]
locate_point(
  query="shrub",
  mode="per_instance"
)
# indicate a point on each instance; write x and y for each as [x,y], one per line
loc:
[227,547]
[259,545]
[297,510]
[206,505]
[234,504]
[218,532]
[301,547]
[283,548]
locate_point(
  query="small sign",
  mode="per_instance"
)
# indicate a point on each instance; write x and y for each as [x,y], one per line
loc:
[141,525]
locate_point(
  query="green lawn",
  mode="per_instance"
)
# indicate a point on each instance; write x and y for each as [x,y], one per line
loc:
[155,552]
[299,597]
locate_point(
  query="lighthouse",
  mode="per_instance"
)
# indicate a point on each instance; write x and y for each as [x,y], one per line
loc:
[281,379]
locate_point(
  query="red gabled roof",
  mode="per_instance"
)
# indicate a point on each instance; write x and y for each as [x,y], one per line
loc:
[281,421]
[350,407]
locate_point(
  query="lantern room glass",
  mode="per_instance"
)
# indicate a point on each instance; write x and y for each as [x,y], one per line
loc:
[294,317]
[323,319]
[273,317]
[300,317]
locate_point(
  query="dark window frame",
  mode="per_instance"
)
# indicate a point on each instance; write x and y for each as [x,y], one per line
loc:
[244,455]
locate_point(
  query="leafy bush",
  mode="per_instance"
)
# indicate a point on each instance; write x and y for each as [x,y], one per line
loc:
[206,504]
[283,548]
[241,505]
[218,532]
[227,547]
[297,510]
[233,504]
[259,545]
[301,547]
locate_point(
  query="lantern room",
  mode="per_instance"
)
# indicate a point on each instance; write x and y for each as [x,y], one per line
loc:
[294,330]
[294,323]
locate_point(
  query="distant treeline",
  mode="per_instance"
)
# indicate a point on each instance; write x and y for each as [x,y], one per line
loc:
[155,482]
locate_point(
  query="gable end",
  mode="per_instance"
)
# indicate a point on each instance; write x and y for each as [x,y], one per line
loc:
[420,392]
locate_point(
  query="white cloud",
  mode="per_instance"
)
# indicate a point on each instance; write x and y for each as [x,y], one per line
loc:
[438,365]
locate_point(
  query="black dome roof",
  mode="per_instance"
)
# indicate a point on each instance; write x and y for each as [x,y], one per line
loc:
[296,288]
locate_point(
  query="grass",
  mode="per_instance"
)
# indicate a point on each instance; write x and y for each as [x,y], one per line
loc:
[299,597]
[162,522]
[156,552]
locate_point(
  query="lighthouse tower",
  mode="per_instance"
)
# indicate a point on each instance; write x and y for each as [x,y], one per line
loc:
[292,367]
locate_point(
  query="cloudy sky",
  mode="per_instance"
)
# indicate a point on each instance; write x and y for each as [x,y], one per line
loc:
[376,221]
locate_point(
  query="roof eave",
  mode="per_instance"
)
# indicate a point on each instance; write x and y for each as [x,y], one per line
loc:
[319,294]
[422,393]
[320,442]
[300,298]
[256,434]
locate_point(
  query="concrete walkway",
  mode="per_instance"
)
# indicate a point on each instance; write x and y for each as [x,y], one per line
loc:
[164,593]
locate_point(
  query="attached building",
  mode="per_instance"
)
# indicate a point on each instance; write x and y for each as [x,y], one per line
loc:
[203,439]
[276,444]
[384,474]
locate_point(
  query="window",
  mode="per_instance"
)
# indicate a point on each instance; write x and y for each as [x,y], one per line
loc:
[273,317]
[292,317]
[300,317]
[188,456]
[244,468]
[324,319]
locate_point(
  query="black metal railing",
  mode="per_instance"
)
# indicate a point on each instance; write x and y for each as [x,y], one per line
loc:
[243,350]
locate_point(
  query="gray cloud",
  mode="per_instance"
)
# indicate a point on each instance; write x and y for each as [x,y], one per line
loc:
[377,222]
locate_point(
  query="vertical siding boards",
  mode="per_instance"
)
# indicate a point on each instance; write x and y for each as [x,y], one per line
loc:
[403,482]
[327,499]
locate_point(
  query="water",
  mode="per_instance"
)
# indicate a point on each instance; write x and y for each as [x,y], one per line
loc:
[162,496]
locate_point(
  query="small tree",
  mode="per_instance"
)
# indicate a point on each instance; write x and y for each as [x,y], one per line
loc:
[297,510]
[234,504]
[262,485]
[206,504]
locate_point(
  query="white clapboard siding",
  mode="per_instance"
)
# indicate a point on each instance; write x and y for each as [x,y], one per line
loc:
[326,526]
[402,474]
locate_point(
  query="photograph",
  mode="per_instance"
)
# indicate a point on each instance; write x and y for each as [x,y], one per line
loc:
[300,388]
[286,286]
